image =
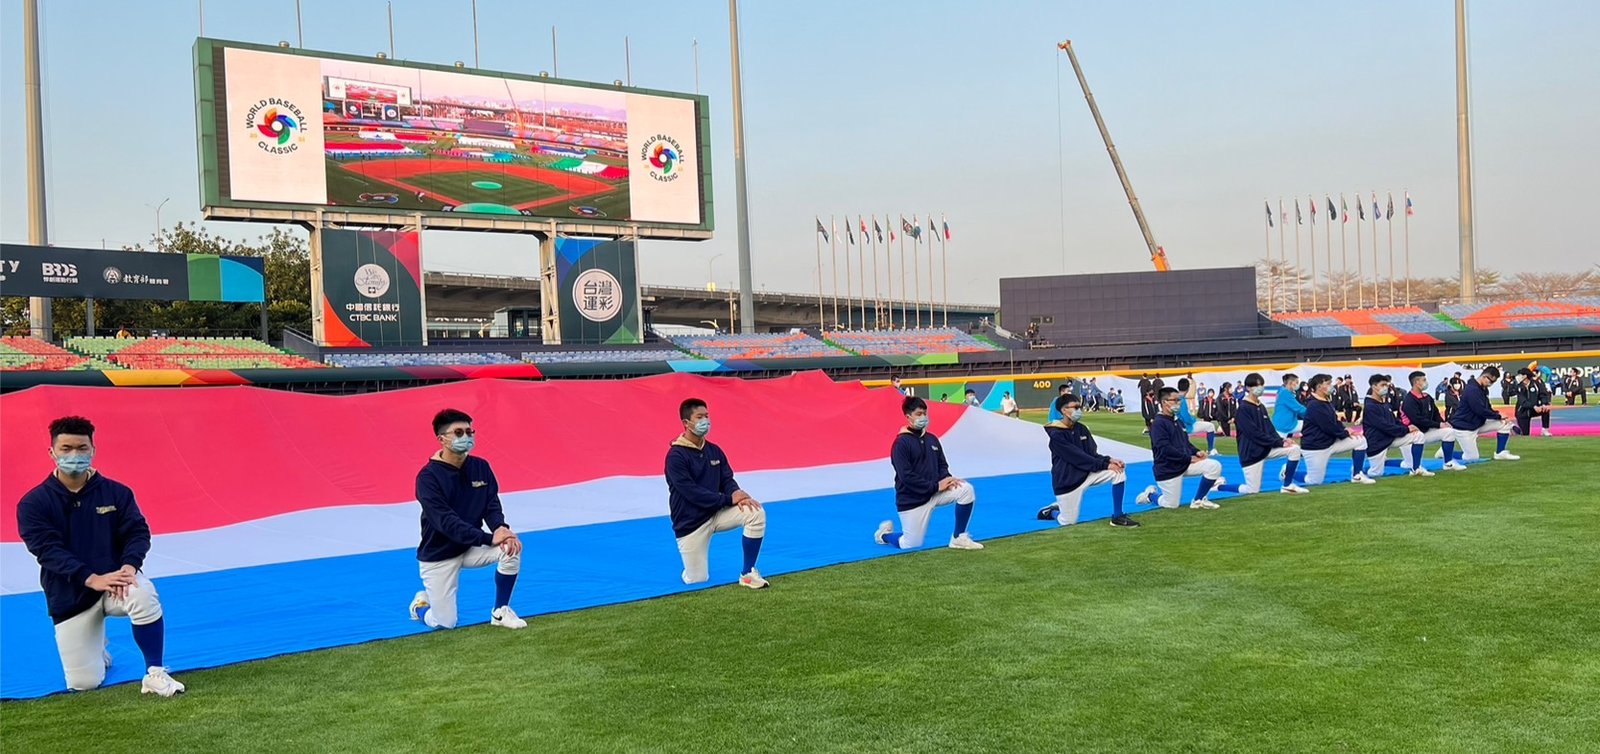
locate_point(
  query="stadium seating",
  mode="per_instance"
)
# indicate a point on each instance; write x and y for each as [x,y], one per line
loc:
[755,346]
[188,353]
[1583,311]
[611,356]
[19,353]
[417,359]
[1393,321]
[910,342]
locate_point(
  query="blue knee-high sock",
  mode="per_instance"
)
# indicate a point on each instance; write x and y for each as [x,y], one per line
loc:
[1416,456]
[152,640]
[892,539]
[1289,469]
[1211,442]
[752,548]
[1500,442]
[1228,487]
[963,515]
[1449,448]
[1205,487]
[502,588]
[1116,498]
[1358,462]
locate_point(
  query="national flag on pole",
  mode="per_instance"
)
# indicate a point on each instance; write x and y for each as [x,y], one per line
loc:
[891,229]
[1375,213]
[822,230]
[1298,220]
[1332,214]
[1409,210]
[946,224]
[1269,213]
[1283,214]
[933,230]
[1390,214]
[849,234]
[905,227]
[1312,203]
[1344,207]
[864,237]
[1361,214]
[876,228]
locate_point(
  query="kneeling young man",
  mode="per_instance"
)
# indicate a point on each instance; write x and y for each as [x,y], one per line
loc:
[1384,431]
[1076,465]
[1421,412]
[91,540]
[922,482]
[1474,416]
[704,499]
[1259,441]
[1175,458]
[459,497]
[1323,436]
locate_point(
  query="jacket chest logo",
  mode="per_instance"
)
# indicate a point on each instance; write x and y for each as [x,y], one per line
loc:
[104,509]
[479,483]
[716,462]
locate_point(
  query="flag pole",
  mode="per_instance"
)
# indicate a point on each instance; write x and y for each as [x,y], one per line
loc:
[1344,256]
[1297,281]
[931,297]
[1376,275]
[1327,243]
[833,252]
[877,303]
[944,256]
[1388,216]
[861,269]
[1283,253]
[905,313]
[849,314]
[1311,235]
[1407,222]
[1361,273]
[916,271]
[1266,235]
[816,236]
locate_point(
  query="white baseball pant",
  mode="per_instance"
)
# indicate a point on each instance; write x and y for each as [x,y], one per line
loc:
[441,578]
[695,547]
[81,639]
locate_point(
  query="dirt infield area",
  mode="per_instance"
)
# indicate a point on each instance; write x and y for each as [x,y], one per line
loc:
[396,171]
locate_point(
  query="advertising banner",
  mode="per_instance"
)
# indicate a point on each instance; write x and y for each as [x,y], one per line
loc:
[61,272]
[370,286]
[599,287]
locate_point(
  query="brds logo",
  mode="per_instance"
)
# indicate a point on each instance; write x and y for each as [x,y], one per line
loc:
[664,156]
[277,124]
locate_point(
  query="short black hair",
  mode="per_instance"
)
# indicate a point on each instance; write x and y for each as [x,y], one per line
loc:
[1377,378]
[1254,379]
[1165,393]
[687,407]
[911,404]
[1492,371]
[1414,375]
[1066,400]
[894,378]
[1183,384]
[71,425]
[1063,388]
[970,391]
[1290,376]
[1524,372]
[448,417]
[1318,380]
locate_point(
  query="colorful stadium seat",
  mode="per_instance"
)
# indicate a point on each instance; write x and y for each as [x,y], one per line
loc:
[910,342]
[188,353]
[1583,311]
[755,346]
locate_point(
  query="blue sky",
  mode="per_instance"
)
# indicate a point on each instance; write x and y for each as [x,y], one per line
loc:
[901,107]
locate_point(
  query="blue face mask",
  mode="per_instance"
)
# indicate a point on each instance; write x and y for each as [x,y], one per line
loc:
[919,422]
[1383,391]
[74,463]
[1258,390]
[1076,415]
[464,444]
[702,427]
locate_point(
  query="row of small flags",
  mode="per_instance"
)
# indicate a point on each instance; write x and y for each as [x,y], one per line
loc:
[912,228]
[1342,210]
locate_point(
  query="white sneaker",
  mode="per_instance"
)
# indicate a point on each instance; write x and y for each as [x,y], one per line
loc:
[1544,433]
[1203,505]
[1361,478]
[1438,453]
[1454,465]
[417,604]
[1506,455]
[964,542]
[505,617]
[156,681]
[1144,497]
[753,580]
[1421,472]
[1294,489]
[885,528]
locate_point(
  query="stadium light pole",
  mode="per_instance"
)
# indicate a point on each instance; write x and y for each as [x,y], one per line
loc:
[1469,265]
[158,221]
[711,275]
[40,324]
[747,298]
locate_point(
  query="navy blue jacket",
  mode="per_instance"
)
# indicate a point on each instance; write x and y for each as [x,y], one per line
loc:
[456,505]
[1474,408]
[919,466]
[1379,426]
[1257,435]
[1170,447]
[699,484]
[1421,411]
[1322,428]
[1073,456]
[75,535]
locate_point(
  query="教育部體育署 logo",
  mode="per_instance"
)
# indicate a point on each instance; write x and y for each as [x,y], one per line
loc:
[664,156]
[277,124]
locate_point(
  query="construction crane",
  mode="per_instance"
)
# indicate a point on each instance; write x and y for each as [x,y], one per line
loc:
[1158,255]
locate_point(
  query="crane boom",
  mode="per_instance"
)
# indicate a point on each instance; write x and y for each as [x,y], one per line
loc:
[1158,255]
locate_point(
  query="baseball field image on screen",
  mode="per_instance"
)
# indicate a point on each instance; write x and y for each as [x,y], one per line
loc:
[375,135]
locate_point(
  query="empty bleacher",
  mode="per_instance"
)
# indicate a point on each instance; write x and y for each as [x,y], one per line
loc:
[614,356]
[21,353]
[1583,311]
[755,346]
[1399,320]
[910,342]
[417,359]
[187,353]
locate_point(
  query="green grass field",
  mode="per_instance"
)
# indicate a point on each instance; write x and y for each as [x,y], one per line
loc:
[1452,614]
